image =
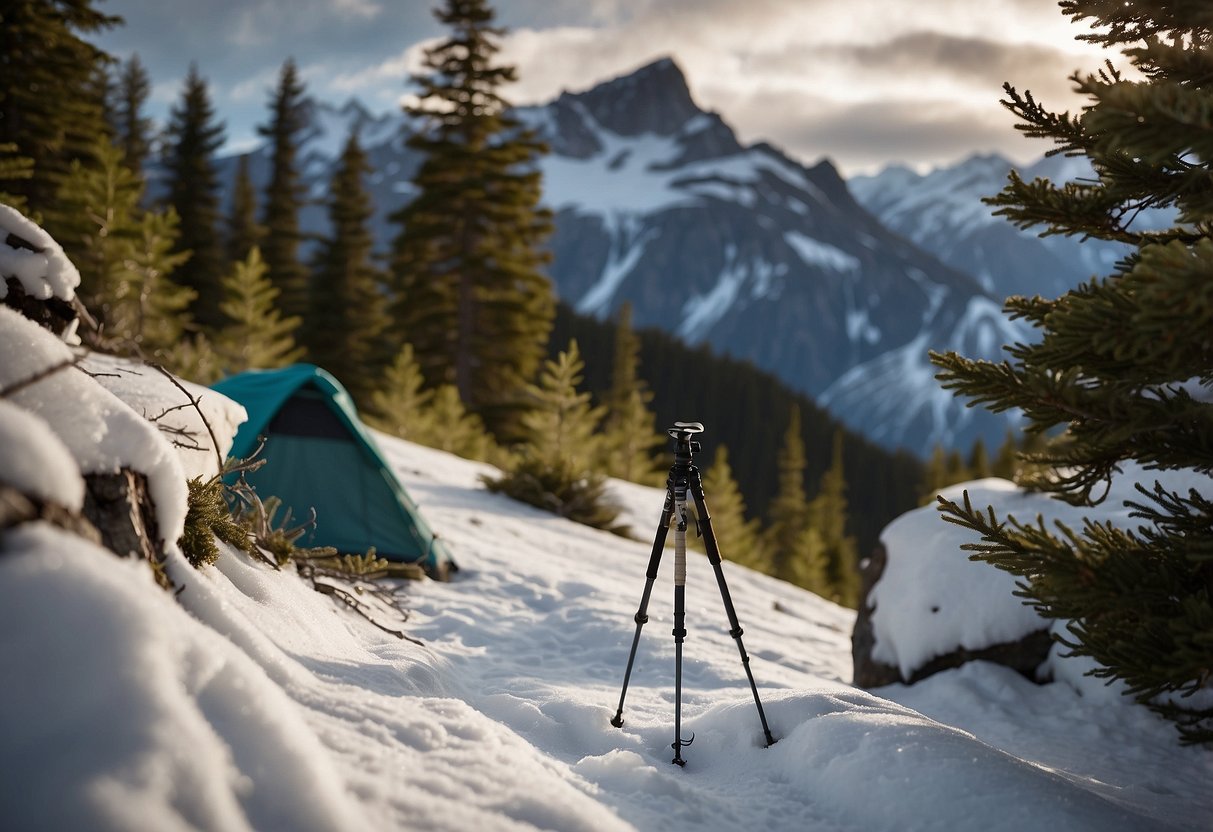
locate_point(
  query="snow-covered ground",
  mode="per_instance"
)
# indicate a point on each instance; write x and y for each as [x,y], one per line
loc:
[251,701]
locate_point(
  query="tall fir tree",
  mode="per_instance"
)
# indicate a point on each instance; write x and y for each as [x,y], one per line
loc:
[979,460]
[555,468]
[255,333]
[13,169]
[796,548]
[243,230]
[346,318]
[284,194]
[151,308]
[630,436]
[827,514]
[191,141]
[466,265]
[49,104]
[132,128]
[738,538]
[1121,363]
[100,204]
[401,406]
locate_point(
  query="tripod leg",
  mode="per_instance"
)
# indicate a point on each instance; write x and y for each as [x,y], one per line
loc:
[695,486]
[680,630]
[642,613]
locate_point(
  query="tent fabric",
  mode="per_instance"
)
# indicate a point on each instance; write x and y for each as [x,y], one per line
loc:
[320,456]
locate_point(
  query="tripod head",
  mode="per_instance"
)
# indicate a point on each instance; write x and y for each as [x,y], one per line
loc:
[681,433]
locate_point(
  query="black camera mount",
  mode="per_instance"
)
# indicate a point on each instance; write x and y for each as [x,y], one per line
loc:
[683,479]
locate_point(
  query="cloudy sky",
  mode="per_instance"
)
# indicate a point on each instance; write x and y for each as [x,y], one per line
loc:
[864,82]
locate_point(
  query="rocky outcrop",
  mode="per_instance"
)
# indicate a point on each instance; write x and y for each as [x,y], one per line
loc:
[1024,655]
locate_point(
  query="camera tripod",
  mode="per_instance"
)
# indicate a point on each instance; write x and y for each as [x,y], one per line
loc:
[684,478]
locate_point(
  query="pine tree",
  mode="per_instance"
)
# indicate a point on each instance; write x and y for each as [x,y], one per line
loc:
[630,435]
[828,516]
[453,429]
[466,264]
[979,460]
[737,538]
[192,139]
[1117,362]
[49,106]
[346,317]
[150,308]
[284,194]
[133,130]
[243,232]
[256,335]
[100,203]
[554,470]
[401,406]
[13,168]
[1006,461]
[797,549]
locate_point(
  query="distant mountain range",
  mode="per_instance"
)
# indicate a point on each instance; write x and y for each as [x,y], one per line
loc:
[838,288]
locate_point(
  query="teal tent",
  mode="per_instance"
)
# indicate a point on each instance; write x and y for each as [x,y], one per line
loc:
[319,455]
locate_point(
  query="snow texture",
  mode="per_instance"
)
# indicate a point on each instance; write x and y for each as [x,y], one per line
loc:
[149,392]
[252,701]
[44,273]
[103,434]
[36,462]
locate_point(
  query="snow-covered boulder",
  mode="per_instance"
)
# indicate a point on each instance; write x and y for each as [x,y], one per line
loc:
[927,607]
[36,278]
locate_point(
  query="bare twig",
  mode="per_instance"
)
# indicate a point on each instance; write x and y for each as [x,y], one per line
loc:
[40,375]
[192,400]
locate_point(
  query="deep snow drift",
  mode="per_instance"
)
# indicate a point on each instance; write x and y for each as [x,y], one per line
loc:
[253,702]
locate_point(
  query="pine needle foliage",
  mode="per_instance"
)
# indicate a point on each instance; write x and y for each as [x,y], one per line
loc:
[346,317]
[466,266]
[208,517]
[133,130]
[290,114]
[1122,363]
[50,107]
[13,168]
[797,549]
[191,141]
[555,467]
[401,406]
[629,430]
[242,230]
[256,335]
[737,538]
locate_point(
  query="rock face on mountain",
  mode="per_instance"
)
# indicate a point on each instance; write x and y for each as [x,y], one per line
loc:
[658,204]
[942,211]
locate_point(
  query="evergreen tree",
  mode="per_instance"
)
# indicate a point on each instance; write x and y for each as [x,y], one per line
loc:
[133,130]
[256,335]
[466,264]
[243,232]
[738,539]
[284,195]
[13,168]
[150,308]
[1117,362]
[630,435]
[828,516]
[100,204]
[453,429]
[797,549]
[979,460]
[401,406]
[192,139]
[1006,461]
[554,470]
[49,107]
[346,318]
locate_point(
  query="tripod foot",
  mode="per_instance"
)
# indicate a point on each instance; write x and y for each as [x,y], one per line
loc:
[678,761]
[770,740]
[617,720]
